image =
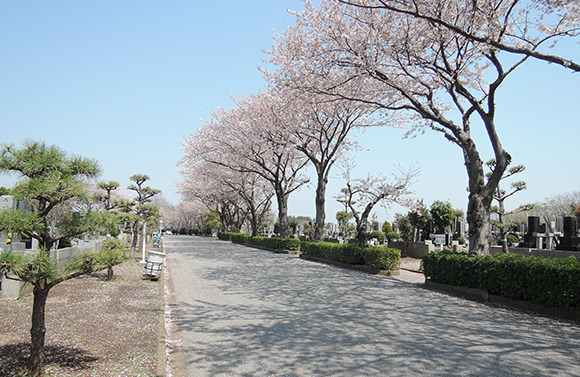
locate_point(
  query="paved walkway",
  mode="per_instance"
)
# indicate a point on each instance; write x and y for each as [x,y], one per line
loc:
[248,312]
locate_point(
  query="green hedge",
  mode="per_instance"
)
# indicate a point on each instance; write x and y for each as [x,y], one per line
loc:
[382,258]
[224,236]
[270,243]
[377,257]
[343,253]
[553,282]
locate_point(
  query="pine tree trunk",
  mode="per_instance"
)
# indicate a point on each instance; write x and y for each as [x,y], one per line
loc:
[135,234]
[38,330]
[110,273]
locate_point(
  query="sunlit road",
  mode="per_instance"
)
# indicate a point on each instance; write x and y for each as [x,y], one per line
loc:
[248,312]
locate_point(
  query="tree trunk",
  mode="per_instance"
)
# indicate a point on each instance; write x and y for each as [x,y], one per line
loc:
[135,234]
[283,214]
[478,218]
[320,210]
[110,273]
[254,220]
[38,330]
[362,235]
[361,223]
[502,229]
[481,193]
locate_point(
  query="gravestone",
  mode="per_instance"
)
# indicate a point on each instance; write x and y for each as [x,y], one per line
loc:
[7,202]
[533,227]
[570,241]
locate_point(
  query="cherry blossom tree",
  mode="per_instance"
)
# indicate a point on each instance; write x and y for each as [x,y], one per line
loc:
[418,74]
[186,215]
[322,135]
[361,195]
[253,138]
[236,196]
[514,26]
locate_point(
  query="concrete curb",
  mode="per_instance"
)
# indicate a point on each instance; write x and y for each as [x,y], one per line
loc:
[173,355]
[171,360]
[161,359]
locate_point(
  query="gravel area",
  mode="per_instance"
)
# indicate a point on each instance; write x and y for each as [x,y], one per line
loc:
[94,327]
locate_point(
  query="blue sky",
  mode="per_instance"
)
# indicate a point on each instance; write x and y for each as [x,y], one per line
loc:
[124,81]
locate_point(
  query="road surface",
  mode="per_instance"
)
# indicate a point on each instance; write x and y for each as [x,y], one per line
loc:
[242,311]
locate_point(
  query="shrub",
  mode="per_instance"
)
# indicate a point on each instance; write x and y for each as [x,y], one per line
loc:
[270,243]
[344,253]
[224,236]
[240,238]
[110,258]
[387,228]
[114,244]
[377,257]
[382,258]
[380,236]
[291,244]
[546,281]
[393,236]
[512,239]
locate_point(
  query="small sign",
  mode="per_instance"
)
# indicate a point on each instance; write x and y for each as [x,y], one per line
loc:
[161,221]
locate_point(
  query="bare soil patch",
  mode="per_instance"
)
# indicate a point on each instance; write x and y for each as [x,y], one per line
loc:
[94,327]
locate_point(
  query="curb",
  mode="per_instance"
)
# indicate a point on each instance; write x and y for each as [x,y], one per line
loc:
[173,356]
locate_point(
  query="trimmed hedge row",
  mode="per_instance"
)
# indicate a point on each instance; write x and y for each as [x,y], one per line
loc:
[270,243]
[377,257]
[552,282]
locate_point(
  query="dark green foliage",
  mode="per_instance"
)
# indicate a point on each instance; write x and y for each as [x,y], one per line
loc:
[382,258]
[240,238]
[387,228]
[270,243]
[380,236]
[442,215]
[377,257]
[224,236]
[292,244]
[344,253]
[114,244]
[393,236]
[550,282]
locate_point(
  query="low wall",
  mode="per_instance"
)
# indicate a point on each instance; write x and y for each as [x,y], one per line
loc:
[13,289]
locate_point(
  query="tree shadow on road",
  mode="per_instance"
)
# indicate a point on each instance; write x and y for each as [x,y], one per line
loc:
[266,314]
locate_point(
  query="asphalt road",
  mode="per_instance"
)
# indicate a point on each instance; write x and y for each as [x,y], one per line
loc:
[248,312]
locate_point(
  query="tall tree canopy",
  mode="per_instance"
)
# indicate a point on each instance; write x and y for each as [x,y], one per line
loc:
[419,73]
